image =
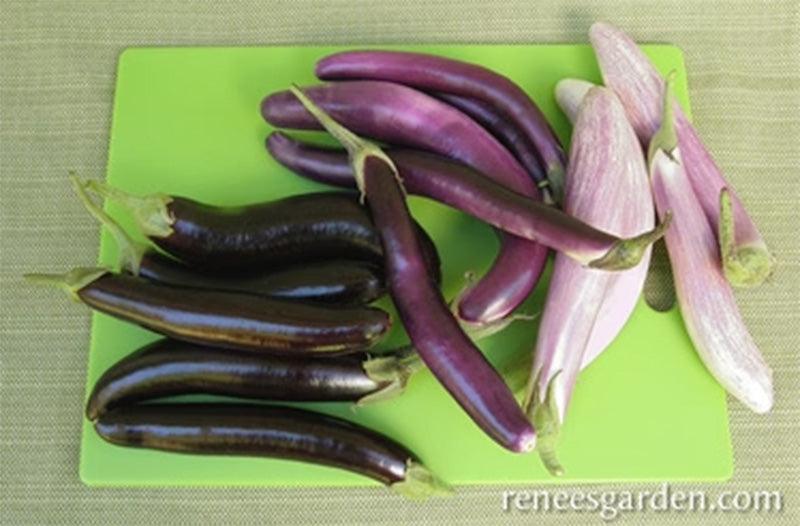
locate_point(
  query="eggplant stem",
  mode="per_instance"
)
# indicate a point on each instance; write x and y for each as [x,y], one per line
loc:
[627,253]
[358,149]
[70,282]
[130,252]
[666,137]
[544,417]
[394,371]
[744,266]
[420,483]
[151,211]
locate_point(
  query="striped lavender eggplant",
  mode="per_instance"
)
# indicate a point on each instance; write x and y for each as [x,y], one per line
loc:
[625,287]
[627,70]
[607,186]
[704,295]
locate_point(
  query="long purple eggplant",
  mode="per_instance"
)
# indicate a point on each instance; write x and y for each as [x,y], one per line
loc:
[221,318]
[434,73]
[505,132]
[171,367]
[436,334]
[270,431]
[705,297]
[401,115]
[746,261]
[467,190]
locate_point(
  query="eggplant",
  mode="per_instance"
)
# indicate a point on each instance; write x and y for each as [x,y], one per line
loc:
[436,334]
[705,297]
[401,115]
[270,431]
[746,259]
[607,185]
[337,281]
[302,228]
[171,367]
[220,318]
[430,72]
[505,132]
[467,190]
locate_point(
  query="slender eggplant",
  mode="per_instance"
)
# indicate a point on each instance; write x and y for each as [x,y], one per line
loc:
[270,431]
[338,282]
[627,70]
[434,331]
[467,190]
[705,297]
[302,228]
[222,242]
[220,318]
[624,288]
[398,114]
[171,367]
[434,73]
[606,184]
[505,132]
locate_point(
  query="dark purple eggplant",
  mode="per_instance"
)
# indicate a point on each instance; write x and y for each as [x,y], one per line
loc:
[302,228]
[467,190]
[505,131]
[436,334]
[269,431]
[401,115]
[207,268]
[171,367]
[223,319]
[335,282]
[435,73]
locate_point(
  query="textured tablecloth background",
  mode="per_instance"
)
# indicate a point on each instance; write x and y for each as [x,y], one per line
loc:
[57,68]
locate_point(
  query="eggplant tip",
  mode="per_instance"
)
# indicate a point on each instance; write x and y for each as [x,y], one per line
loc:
[525,443]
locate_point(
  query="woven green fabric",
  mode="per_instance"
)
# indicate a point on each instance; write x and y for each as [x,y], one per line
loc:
[57,63]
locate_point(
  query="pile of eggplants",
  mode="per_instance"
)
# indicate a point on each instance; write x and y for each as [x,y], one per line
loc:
[271,301]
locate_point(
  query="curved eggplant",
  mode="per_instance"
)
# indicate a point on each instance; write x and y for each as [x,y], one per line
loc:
[269,431]
[171,367]
[220,318]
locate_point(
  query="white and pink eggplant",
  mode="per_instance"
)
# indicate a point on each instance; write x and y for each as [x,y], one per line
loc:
[606,186]
[627,70]
[705,297]
[625,287]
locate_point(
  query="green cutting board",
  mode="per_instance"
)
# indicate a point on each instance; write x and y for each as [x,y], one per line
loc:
[186,121]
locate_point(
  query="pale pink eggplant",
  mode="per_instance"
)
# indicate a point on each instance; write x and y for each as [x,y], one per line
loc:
[626,286]
[705,297]
[627,70]
[607,186]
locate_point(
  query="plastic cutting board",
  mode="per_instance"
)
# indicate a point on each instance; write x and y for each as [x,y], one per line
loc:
[186,121]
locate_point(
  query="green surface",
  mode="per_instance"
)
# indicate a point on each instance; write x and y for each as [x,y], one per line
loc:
[186,121]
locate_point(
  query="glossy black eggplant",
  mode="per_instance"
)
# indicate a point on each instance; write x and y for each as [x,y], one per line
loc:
[171,367]
[326,280]
[301,228]
[335,282]
[223,319]
[269,431]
